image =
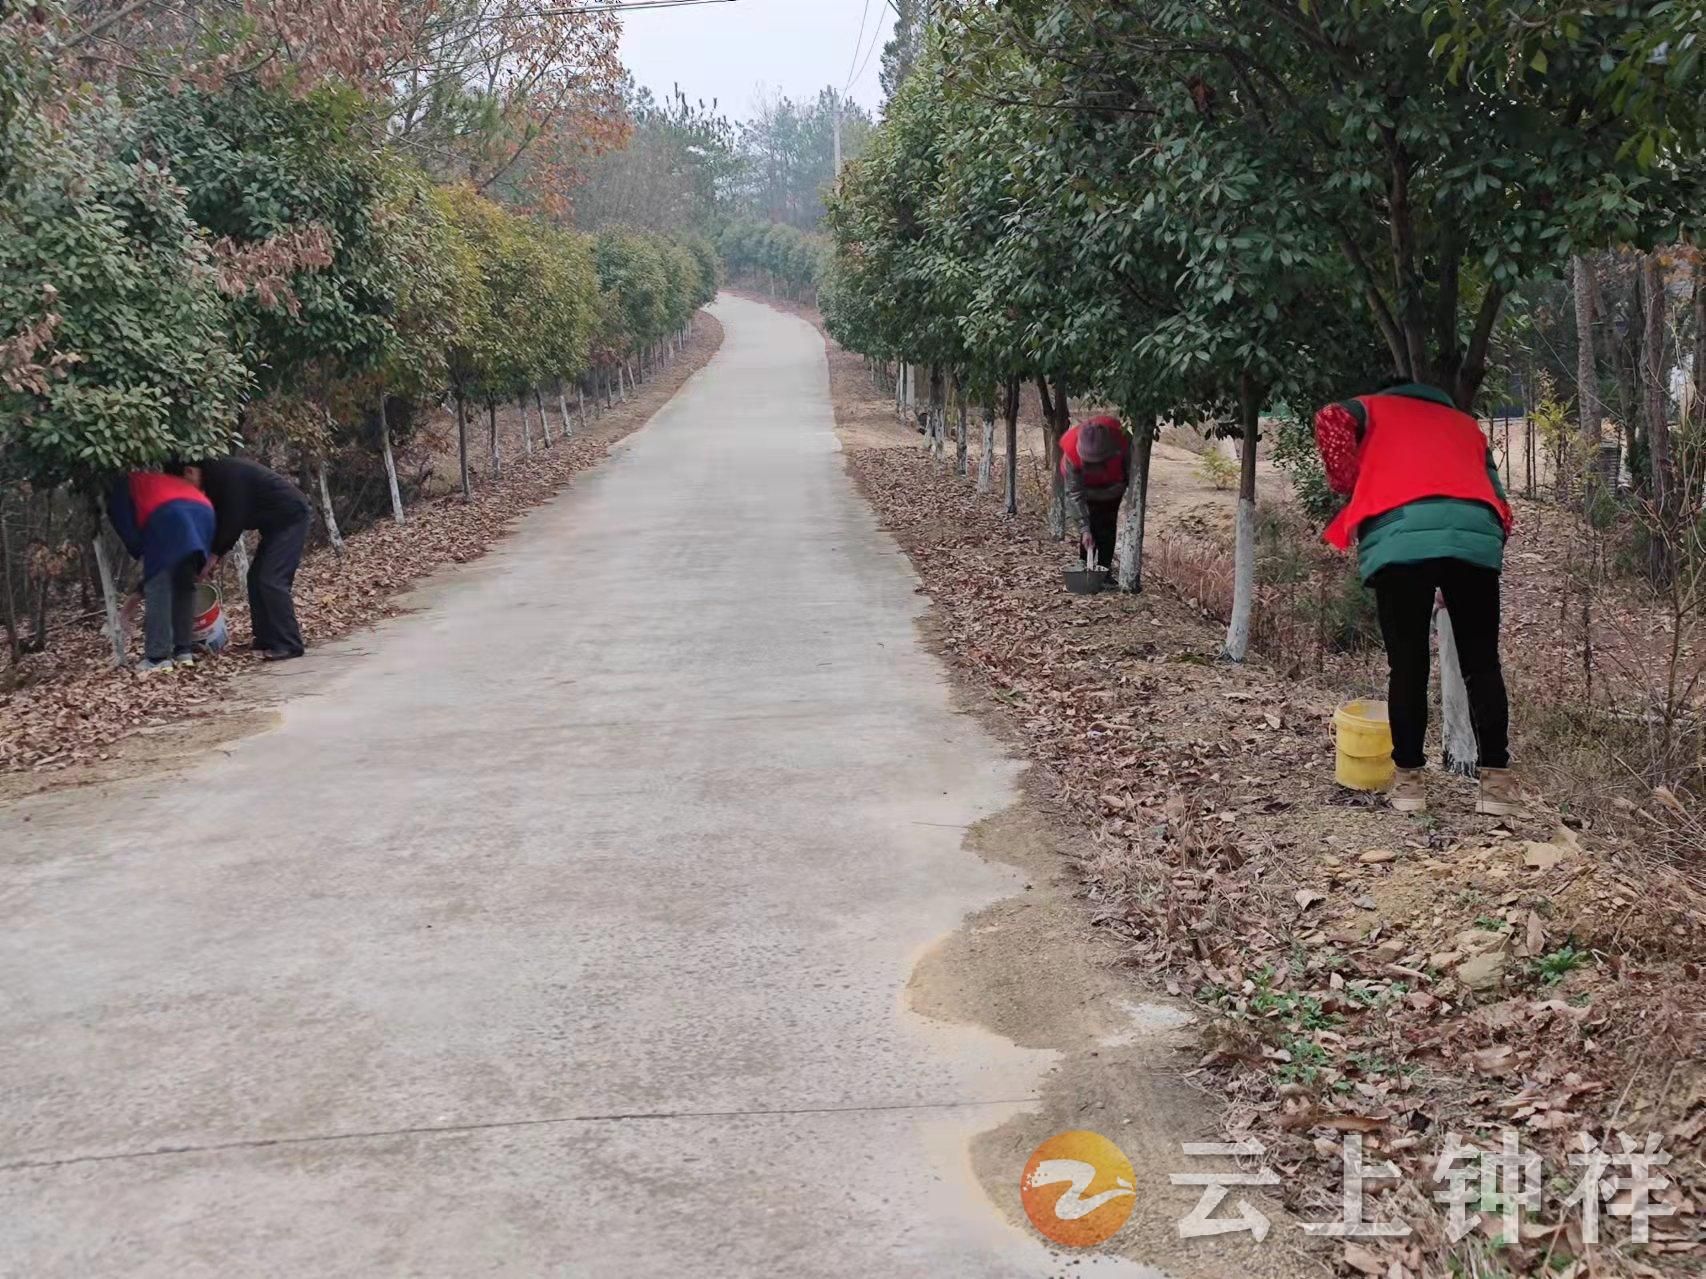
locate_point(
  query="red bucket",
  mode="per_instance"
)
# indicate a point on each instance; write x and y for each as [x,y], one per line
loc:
[209,612]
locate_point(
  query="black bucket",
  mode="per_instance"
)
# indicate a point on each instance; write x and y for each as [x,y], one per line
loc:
[1086,581]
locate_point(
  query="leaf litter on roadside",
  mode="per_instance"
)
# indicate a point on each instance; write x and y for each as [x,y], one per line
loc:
[1369,973]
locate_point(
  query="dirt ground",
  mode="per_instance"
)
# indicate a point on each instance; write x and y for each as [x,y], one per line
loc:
[72,719]
[1352,971]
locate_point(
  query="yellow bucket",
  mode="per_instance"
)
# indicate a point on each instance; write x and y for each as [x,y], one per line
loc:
[1365,745]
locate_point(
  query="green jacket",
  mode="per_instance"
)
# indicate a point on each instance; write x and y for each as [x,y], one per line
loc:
[1433,528]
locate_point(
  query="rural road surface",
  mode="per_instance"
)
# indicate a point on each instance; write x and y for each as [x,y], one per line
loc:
[559,928]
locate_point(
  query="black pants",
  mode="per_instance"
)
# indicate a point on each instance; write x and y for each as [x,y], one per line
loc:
[1404,595]
[272,574]
[1104,526]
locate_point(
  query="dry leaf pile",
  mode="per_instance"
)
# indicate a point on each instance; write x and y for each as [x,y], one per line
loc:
[1364,972]
[72,707]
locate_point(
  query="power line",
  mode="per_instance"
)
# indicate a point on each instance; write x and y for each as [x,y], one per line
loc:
[623,6]
[876,39]
[858,40]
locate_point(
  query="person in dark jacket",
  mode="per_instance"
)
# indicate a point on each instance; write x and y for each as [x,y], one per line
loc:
[167,523]
[1428,514]
[1095,463]
[247,495]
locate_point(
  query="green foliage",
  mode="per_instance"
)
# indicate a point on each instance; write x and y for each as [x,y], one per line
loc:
[273,178]
[1552,967]
[1298,459]
[112,344]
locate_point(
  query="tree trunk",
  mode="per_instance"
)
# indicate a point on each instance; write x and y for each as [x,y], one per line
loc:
[568,427]
[526,424]
[492,438]
[336,538]
[390,462]
[240,561]
[544,422]
[1590,413]
[1244,552]
[1057,415]
[1012,434]
[1457,725]
[580,400]
[1136,509]
[961,442]
[1699,371]
[986,459]
[938,412]
[6,573]
[622,382]
[1654,396]
[109,596]
[900,392]
[462,447]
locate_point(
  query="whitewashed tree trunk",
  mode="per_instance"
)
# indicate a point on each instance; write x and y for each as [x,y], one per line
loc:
[1244,552]
[240,560]
[1130,556]
[580,395]
[390,462]
[568,427]
[621,382]
[986,459]
[1462,751]
[1243,583]
[492,440]
[331,516]
[109,595]
[526,425]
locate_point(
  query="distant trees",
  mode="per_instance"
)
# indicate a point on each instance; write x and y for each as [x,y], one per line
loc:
[786,261]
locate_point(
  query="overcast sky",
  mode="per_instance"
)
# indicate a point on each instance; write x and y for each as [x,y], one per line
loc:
[738,52]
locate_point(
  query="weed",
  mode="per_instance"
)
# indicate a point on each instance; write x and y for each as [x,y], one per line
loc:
[1308,1060]
[1219,470]
[1553,967]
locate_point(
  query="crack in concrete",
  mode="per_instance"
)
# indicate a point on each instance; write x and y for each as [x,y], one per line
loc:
[642,1116]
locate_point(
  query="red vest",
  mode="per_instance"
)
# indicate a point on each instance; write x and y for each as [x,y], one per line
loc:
[1098,475]
[1412,449]
[149,491]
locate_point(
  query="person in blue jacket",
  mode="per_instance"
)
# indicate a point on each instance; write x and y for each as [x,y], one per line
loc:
[167,523]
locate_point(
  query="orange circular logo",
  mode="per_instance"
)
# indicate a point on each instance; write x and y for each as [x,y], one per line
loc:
[1078,1189]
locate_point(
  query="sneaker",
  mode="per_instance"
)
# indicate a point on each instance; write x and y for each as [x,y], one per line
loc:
[1500,794]
[148,667]
[1409,793]
[183,659]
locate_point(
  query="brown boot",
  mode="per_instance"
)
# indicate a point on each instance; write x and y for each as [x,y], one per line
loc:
[1409,793]
[1500,795]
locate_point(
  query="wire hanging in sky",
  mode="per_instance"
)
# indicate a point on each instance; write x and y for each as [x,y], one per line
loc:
[858,40]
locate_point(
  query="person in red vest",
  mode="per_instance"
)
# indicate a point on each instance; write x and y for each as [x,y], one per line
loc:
[1428,514]
[1095,463]
[167,523]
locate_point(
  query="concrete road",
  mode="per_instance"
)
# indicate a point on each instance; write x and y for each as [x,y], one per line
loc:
[560,928]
